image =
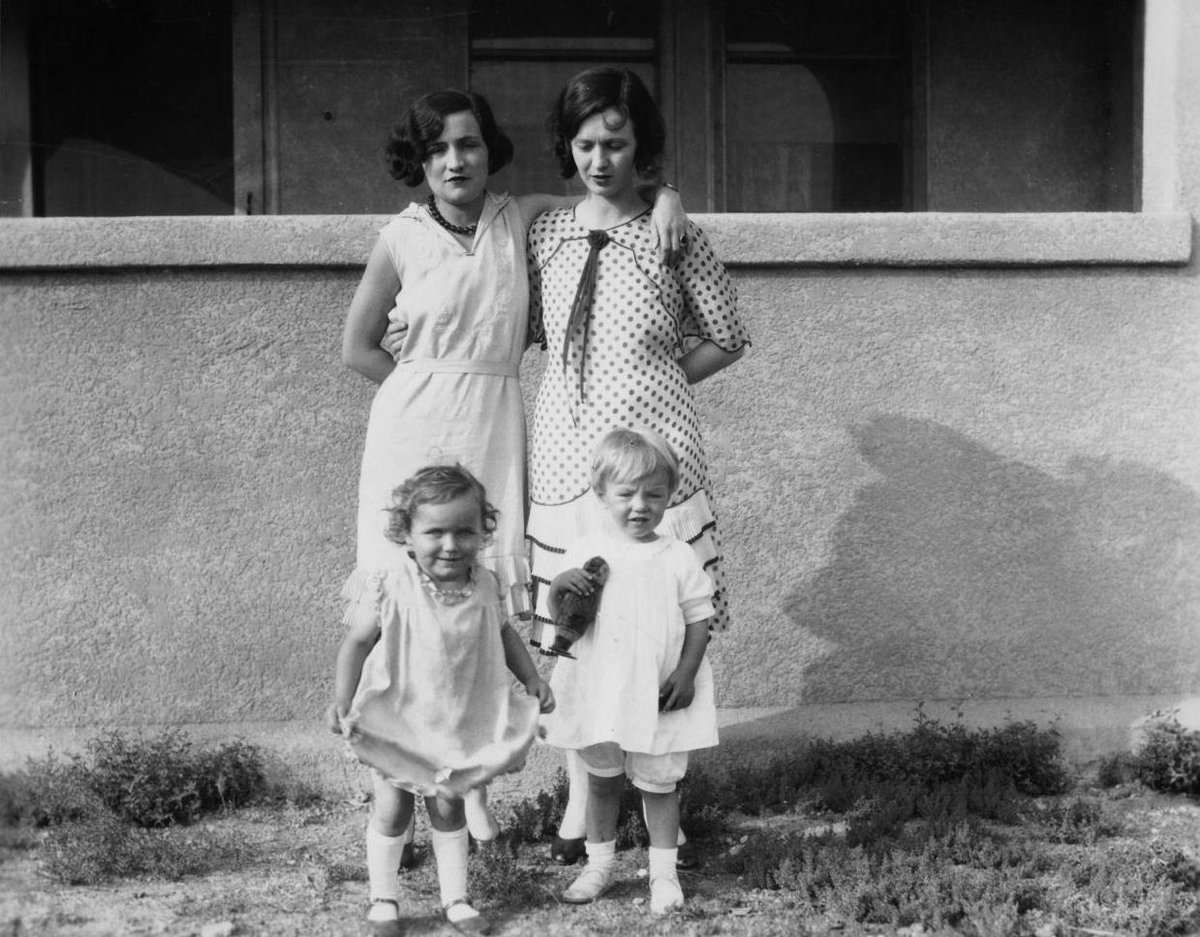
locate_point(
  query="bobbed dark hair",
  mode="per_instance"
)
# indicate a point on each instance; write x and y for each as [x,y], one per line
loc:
[408,143]
[595,90]
[436,484]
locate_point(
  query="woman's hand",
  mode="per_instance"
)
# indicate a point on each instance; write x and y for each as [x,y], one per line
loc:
[670,223]
[677,691]
[538,687]
[393,339]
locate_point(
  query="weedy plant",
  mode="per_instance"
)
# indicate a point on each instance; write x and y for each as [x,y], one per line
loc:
[106,809]
[1169,758]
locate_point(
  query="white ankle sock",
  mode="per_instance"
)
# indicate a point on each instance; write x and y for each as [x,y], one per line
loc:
[383,864]
[662,861]
[450,853]
[601,855]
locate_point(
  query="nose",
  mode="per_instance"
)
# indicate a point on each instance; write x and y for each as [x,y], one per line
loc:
[454,157]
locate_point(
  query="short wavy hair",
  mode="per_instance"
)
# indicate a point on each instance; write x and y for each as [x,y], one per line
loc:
[595,90]
[627,455]
[437,484]
[408,143]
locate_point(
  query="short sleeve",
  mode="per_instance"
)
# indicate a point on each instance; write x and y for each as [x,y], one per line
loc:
[709,295]
[363,595]
[695,588]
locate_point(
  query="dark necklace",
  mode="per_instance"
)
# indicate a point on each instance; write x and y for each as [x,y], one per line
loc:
[467,229]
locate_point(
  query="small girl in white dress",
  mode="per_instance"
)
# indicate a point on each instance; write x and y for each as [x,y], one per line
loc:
[422,687]
[639,694]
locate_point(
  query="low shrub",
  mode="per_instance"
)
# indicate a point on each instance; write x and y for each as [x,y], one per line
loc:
[1169,758]
[150,782]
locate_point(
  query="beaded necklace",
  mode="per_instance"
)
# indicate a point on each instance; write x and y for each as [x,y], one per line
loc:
[467,229]
[446,596]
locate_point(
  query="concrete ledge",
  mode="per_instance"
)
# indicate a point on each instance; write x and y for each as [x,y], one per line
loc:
[747,240]
[303,752]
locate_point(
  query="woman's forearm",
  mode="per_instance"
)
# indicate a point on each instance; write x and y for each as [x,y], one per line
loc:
[706,359]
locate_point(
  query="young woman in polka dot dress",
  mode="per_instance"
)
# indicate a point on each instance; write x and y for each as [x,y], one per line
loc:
[626,334]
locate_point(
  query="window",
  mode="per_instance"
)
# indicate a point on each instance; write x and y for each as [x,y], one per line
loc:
[817,106]
[522,53]
[131,107]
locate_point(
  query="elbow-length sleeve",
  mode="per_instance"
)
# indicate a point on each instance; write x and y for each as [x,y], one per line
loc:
[709,296]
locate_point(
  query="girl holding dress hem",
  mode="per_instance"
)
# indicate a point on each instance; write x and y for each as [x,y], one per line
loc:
[422,689]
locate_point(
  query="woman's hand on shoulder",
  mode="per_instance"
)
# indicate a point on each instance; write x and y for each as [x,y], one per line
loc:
[670,224]
[538,687]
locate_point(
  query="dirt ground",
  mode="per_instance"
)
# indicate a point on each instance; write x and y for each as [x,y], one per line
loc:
[298,871]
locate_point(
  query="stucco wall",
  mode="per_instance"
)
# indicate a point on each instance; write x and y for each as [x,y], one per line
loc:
[938,477]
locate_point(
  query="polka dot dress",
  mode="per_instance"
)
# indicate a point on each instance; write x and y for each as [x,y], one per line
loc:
[619,367]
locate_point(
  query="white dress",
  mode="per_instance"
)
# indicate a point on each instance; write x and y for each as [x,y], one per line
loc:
[609,693]
[436,709]
[455,394]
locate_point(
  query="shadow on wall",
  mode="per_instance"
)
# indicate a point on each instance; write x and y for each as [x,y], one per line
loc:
[960,573]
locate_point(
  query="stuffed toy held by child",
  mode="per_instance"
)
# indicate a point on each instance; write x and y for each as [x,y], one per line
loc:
[577,613]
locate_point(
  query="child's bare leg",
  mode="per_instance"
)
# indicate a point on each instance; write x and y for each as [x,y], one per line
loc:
[449,837]
[604,807]
[568,845]
[662,818]
[662,821]
[391,811]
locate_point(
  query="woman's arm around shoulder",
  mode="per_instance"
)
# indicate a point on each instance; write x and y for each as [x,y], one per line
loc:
[367,319]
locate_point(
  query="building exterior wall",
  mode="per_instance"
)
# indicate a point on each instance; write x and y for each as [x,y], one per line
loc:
[961,462]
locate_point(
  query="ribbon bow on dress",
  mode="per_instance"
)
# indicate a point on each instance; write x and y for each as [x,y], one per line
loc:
[581,307]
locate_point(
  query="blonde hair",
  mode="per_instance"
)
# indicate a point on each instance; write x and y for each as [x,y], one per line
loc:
[626,455]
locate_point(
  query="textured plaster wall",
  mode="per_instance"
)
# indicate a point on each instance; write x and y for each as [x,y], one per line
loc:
[934,482]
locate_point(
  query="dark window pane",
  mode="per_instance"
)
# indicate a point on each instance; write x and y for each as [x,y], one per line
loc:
[132,107]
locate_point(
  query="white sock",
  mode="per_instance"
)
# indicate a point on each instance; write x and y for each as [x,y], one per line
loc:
[601,855]
[383,864]
[480,822]
[662,862]
[450,854]
[574,821]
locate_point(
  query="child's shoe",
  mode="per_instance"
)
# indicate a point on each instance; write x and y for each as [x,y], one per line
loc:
[383,919]
[665,893]
[465,919]
[593,882]
[567,851]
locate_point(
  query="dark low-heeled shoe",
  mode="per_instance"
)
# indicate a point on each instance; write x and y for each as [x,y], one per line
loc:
[686,857]
[567,851]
